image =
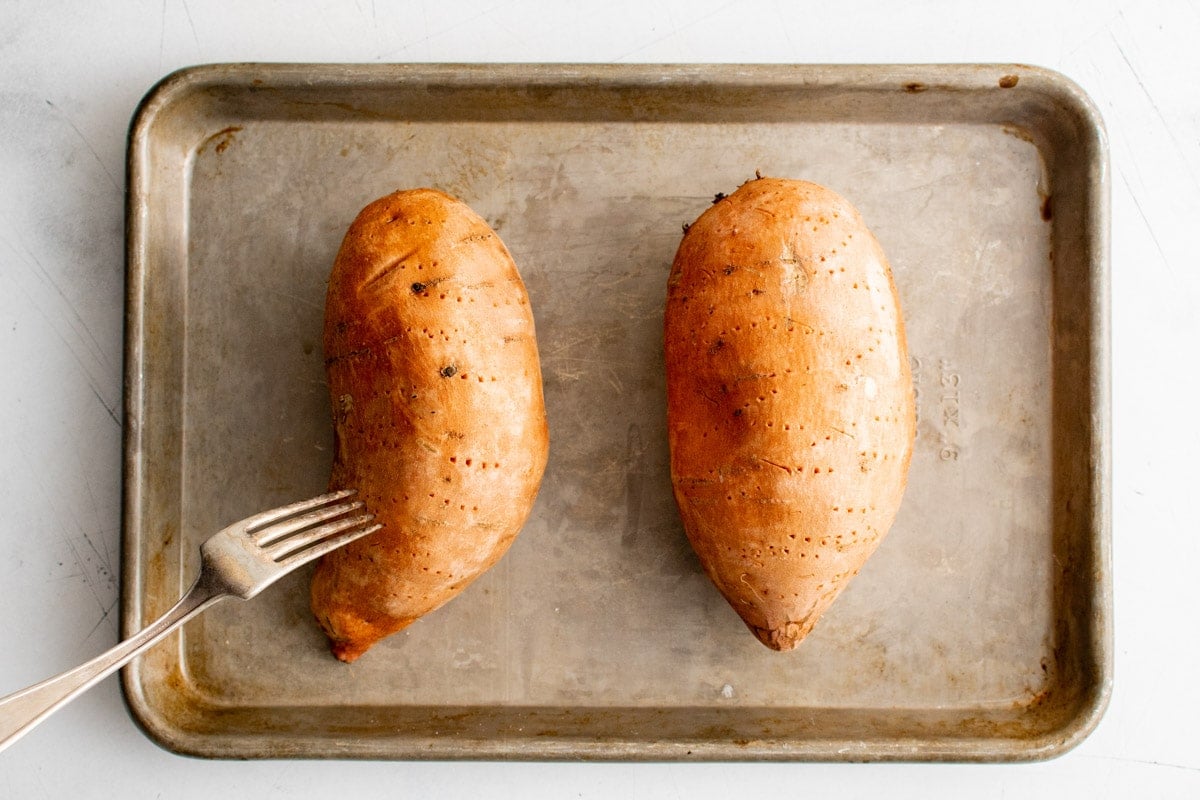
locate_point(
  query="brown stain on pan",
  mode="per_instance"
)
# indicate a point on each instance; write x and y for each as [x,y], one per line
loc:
[1019,132]
[221,139]
[1047,207]
[1046,202]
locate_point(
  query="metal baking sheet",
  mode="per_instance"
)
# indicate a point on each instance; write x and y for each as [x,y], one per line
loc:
[980,630]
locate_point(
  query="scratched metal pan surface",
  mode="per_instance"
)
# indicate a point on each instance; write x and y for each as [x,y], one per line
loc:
[980,630]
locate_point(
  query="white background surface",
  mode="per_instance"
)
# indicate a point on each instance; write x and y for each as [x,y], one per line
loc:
[70,77]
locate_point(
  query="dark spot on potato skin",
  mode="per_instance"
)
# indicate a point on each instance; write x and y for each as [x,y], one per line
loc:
[1008,81]
[418,288]
[915,87]
[1047,208]
[449,371]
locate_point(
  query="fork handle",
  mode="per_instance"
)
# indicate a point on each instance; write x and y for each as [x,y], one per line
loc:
[22,710]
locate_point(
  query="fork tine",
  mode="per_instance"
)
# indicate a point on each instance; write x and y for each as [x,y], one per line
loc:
[259,521]
[326,545]
[301,541]
[281,530]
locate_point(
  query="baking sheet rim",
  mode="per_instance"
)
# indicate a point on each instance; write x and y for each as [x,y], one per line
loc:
[930,78]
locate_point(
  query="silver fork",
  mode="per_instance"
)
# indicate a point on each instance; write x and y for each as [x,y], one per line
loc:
[239,561]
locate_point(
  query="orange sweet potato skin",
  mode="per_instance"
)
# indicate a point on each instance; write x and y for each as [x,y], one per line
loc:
[439,419]
[790,404]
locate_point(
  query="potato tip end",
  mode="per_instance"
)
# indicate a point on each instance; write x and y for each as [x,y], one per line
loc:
[784,638]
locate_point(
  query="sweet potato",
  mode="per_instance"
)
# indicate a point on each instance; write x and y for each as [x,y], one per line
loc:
[790,405]
[439,419]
